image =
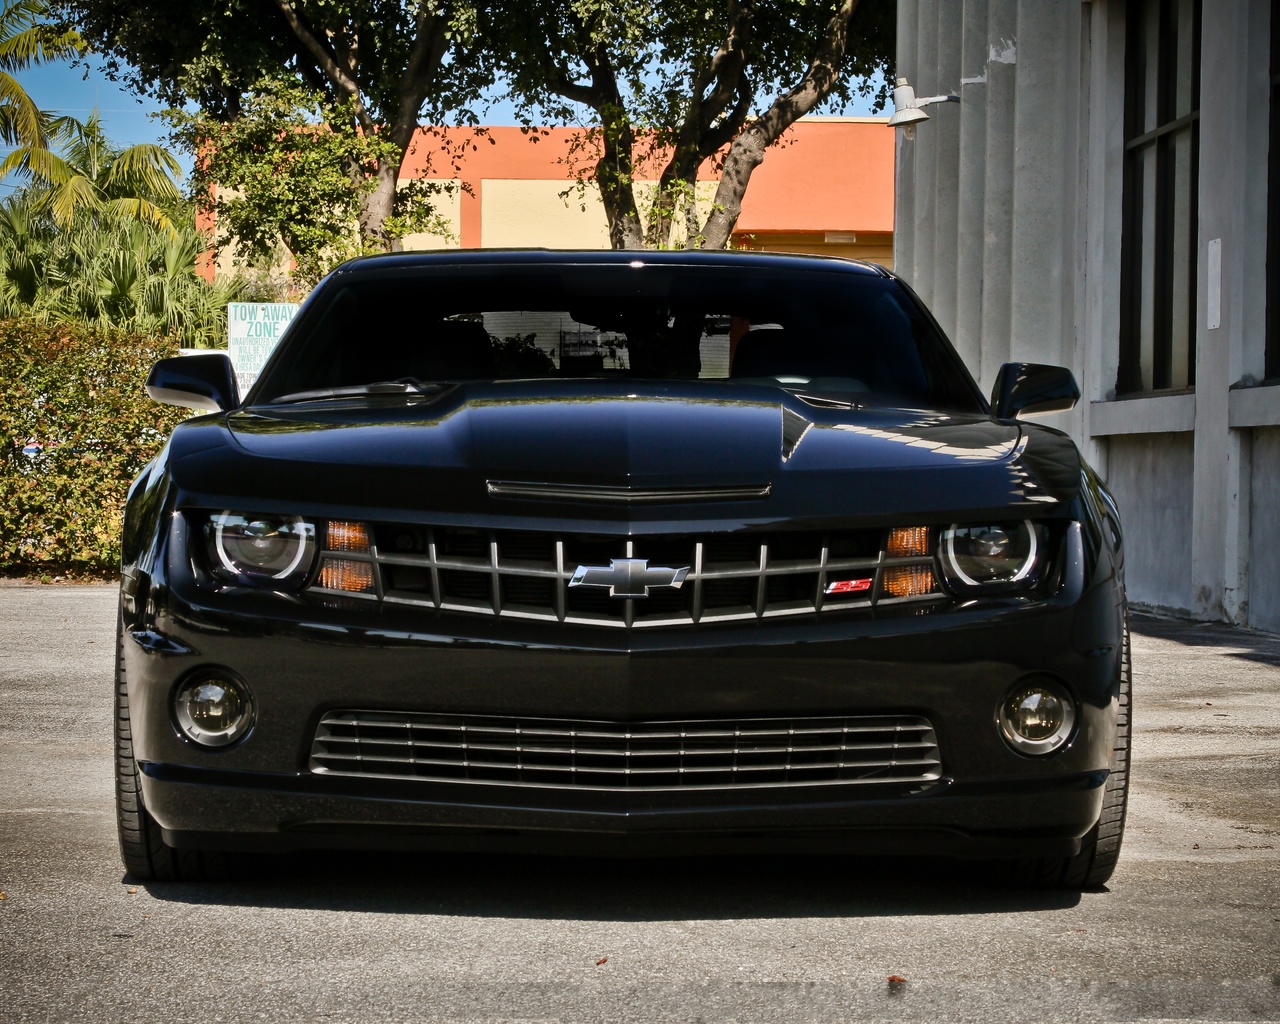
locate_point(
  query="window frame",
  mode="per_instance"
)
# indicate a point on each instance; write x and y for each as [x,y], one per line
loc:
[1271,366]
[1161,140]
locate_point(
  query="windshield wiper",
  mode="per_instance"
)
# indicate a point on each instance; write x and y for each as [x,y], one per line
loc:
[829,399]
[407,386]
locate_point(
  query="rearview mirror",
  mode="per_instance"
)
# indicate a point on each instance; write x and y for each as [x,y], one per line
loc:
[1032,387]
[205,382]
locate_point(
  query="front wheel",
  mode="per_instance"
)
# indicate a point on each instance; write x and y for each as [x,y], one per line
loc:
[1100,848]
[147,857]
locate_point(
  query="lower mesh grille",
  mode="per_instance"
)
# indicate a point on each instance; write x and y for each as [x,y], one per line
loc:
[881,749]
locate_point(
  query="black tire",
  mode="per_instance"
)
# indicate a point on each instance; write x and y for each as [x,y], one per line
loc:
[145,854]
[1100,848]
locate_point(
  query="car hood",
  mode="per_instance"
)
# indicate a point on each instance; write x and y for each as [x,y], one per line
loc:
[583,450]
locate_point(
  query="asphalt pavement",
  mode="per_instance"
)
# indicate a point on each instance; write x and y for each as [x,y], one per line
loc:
[1187,930]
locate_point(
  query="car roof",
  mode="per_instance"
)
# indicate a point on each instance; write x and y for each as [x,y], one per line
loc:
[742,259]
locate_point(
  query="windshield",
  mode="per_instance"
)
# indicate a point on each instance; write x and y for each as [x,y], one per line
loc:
[836,336]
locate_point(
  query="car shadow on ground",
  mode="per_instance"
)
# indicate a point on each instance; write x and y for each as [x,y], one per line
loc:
[1218,637]
[607,889]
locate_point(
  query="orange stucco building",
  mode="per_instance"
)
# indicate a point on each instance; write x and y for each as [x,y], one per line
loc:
[827,187]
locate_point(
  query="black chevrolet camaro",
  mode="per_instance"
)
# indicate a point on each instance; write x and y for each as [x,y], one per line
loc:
[620,552]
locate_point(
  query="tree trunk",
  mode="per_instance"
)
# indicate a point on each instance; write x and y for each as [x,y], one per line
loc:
[614,176]
[339,66]
[708,125]
[679,181]
[376,207]
[745,155]
[748,149]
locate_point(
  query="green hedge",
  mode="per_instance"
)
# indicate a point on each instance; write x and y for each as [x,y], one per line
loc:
[74,397]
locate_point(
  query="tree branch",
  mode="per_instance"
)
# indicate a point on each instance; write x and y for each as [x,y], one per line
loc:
[723,133]
[342,81]
[728,64]
[696,139]
[559,82]
[614,171]
[748,149]
[431,40]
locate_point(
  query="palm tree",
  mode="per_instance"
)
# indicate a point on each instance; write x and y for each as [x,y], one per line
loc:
[138,182]
[96,234]
[24,254]
[27,39]
[70,162]
[111,270]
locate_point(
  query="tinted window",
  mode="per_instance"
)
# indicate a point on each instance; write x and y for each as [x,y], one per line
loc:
[845,336]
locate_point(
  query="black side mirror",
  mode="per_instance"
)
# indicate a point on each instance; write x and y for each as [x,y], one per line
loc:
[205,382]
[1032,387]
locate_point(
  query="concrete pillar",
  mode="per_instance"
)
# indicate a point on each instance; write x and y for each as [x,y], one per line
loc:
[997,256]
[1219,93]
[904,190]
[972,116]
[1075,222]
[926,153]
[944,136]
[1104,218]
[1234,103]
[1045,161]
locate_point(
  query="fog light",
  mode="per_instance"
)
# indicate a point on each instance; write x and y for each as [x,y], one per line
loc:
[1037,717]
[214,711]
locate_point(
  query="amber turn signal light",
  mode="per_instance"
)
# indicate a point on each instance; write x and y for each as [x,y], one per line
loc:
[345,536]
[905,541]
[908,580]
[346,574]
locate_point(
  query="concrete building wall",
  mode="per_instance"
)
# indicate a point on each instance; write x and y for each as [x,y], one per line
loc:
[990,186]
[1148,475]
[1264,519]
[1010,225]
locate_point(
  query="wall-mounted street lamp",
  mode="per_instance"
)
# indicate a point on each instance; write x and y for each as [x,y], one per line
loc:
[906,108]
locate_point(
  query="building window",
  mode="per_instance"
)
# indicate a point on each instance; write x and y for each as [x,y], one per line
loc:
[1162,140]
[1273,209]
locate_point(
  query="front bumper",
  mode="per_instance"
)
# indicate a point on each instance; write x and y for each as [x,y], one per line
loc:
[303,660]
[210,809]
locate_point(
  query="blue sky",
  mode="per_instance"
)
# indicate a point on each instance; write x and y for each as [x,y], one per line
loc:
[62,88]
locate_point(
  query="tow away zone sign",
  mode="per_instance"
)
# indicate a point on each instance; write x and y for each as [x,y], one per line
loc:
[253,328]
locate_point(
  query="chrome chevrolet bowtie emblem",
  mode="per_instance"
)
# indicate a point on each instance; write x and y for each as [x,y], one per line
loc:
[628,577]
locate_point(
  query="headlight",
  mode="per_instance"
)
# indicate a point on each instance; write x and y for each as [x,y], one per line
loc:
[991,556]
[269,549]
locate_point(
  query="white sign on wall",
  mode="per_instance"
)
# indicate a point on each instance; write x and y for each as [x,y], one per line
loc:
[253,328]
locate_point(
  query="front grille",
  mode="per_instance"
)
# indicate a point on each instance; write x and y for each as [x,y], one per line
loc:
[730,576]
[885,750]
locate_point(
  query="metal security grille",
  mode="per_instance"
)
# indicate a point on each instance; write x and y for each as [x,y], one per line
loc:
[731,576]
[870,750]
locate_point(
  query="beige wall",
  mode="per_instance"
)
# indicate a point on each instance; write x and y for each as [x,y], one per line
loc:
[545,213]
[534,213]
[874,247]
[448,206]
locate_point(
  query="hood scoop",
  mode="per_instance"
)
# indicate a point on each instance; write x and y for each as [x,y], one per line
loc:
[794,427]
[608,495]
